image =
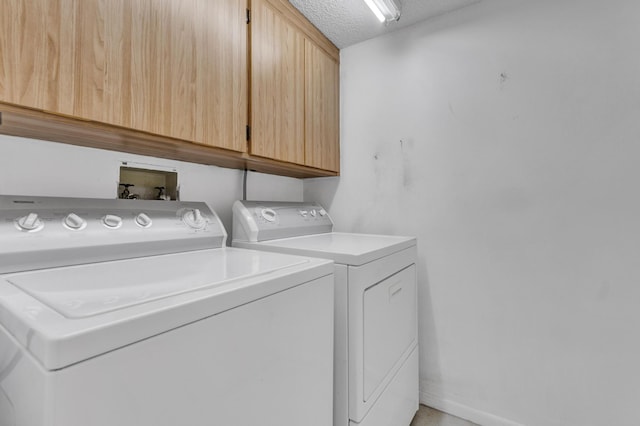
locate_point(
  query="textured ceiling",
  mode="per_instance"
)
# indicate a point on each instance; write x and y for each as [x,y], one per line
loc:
[347,22]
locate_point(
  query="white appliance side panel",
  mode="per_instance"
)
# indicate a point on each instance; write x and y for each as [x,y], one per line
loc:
[399,402]
[23,386]
[244,227]
[268,362]
[341,342]
[389,326]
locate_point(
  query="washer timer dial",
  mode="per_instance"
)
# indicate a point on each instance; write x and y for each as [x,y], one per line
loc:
[30,223]
[269,215]
[193,218]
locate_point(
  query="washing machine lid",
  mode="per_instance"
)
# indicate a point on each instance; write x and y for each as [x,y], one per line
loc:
[88,290]
[343,248]
[69,314]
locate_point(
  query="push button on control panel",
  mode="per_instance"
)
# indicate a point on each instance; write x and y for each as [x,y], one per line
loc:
[112,221]
[74,222]
[143,220]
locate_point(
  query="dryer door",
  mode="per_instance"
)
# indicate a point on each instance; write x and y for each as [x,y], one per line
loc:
[389,319]
[382,330]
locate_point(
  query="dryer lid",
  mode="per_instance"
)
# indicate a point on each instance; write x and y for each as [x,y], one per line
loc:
[344,248]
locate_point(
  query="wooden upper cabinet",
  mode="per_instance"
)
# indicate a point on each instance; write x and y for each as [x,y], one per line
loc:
[172,68]
[190,59]
[30,57]
[277,85]
[154,75]
[322,109]
[294,88]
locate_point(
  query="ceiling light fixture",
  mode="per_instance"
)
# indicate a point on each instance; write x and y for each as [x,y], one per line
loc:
[385,10]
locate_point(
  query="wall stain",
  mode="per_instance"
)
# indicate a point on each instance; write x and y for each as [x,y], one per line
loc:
[393,167]
[407,163]
[503,79]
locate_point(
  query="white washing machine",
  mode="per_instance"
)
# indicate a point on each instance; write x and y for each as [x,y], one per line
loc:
[376,340]
[134,313]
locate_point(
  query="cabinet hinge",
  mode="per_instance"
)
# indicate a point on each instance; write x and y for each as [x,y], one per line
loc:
[248,132]
[248,16]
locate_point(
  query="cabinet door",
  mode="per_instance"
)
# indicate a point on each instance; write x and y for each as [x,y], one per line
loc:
[185,68]
[277,86]
[176,69]
[322,109]
[35,71]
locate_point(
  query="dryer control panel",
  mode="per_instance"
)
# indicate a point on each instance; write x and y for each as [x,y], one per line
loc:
[268,220]
[44,232]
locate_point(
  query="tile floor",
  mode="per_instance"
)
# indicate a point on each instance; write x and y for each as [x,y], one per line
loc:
[430,417]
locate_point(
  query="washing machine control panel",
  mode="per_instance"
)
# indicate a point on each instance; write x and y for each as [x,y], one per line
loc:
[266,220]
[51,231]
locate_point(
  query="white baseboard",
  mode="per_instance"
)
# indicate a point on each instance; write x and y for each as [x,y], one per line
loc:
[463,411]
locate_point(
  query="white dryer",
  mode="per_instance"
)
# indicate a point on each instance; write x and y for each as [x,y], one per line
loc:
[376,345]
[134,313]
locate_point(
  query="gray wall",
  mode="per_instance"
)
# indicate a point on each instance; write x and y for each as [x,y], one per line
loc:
[505,137]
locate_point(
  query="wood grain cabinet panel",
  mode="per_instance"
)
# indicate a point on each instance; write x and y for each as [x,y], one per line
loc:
[176,79]
[277,86]
[322,109]
[172,68]
[37,53]
[295,88]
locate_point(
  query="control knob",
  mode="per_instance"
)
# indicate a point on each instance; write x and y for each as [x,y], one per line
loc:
[269,215]
[30,223]
[193,218]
